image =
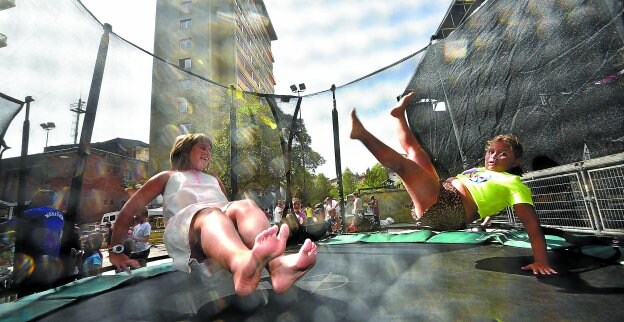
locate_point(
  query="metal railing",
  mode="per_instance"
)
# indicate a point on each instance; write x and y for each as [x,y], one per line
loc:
[586,196]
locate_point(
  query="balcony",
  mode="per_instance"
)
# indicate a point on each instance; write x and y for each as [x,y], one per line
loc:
[3,40]
[7,4]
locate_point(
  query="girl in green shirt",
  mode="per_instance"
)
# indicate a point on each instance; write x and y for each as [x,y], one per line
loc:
[476,193]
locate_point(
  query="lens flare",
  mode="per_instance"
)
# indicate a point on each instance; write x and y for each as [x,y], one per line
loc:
[454,50]
[24,267]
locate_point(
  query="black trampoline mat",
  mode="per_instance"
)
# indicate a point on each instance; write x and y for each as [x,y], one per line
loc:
[381,282]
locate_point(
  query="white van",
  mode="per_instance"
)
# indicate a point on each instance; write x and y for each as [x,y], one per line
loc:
[108,217]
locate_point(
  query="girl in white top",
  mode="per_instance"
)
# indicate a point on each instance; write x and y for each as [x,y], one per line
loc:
[201,223]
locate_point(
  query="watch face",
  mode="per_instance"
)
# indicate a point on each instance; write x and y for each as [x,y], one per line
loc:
[117,249]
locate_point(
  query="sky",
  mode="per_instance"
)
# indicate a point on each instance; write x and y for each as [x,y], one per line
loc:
[320,43]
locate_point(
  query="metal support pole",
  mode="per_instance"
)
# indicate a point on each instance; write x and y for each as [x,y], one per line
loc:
[84,148]
[20,230]
[337,157]
[233,146]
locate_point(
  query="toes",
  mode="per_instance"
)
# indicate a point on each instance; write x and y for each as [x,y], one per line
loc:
[309,247]
[284,232]
[271,232]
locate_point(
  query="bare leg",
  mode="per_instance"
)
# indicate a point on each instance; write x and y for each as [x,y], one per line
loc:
[220,240]
[285,270]
[422,187]
[408,141]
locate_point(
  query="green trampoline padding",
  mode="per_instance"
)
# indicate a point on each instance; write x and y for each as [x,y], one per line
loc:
[25,309]
[514,238]
[408,237]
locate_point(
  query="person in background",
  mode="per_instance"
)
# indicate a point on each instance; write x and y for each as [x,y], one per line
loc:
[319,213]
[140,236]
[458,201]
[373,204]
[201,224]
[278,213]
[358,205]
[108,232]
[129,243]
[92,264]
[349,211]
[309,214]
[41,228]
[71,254]
[298,212]
[332,209]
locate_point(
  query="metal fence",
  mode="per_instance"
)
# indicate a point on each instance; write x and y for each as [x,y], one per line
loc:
[586,196]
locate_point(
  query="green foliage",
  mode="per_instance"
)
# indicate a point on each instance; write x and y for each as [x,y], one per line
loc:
[319,189]
[374,176]
[349,181]
[260,163]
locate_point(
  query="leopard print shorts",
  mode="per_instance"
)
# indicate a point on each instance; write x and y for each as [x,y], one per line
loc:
[447,213]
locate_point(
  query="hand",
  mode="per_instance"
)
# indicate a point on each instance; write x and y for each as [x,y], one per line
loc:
[121,262]
[540,269]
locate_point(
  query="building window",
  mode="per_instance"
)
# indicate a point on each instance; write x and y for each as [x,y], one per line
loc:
[185,63]
[185,24]
[183,107]
[186,43]
[185,7]
[185,128]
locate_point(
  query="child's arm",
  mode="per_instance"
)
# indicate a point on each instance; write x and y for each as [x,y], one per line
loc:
[527,215]
[150,190]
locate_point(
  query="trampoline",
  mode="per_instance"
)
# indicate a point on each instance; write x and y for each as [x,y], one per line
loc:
[364,277]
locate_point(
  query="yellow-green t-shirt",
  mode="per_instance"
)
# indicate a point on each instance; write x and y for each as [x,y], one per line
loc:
[494,191]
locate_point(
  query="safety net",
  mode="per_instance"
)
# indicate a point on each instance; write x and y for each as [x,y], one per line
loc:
[9,108]
[547,71]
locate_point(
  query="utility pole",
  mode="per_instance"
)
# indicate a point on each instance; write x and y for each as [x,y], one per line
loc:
[78,109]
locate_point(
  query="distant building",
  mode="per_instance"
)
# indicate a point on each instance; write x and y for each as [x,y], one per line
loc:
[5,4]
[110,167]
[225,41]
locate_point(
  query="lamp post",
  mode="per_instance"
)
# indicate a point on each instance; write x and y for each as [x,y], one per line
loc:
[49,126]
[298,91]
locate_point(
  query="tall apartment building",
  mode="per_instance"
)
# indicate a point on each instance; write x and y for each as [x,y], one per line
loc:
[5,4]
[225,41]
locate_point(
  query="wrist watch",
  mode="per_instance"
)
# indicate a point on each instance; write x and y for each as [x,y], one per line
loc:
[117,249]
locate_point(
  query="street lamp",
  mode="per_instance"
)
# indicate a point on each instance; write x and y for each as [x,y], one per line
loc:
[49,126]
[296,90]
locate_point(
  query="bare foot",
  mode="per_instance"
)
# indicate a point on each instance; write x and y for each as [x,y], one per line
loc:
[357,129]
[286,270]
[247,267]
[399,109]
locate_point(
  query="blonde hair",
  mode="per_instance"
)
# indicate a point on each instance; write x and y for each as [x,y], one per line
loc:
[181,149]
[509,139]
[514,144]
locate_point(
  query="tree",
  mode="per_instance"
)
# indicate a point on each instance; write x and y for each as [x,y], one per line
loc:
[349,181]
[319,189]
[374,176]
[260,163]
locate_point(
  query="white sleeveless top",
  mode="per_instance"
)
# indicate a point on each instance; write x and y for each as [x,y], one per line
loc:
[186,188]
